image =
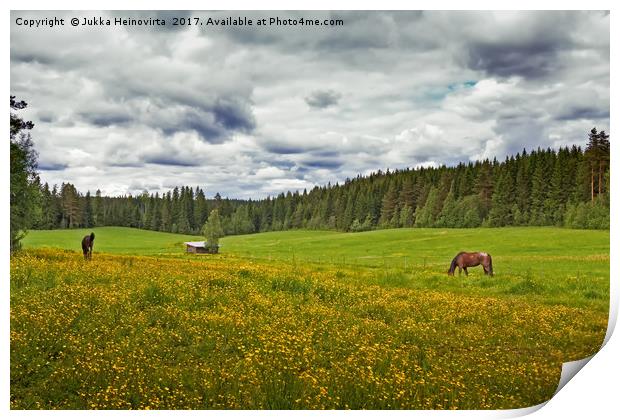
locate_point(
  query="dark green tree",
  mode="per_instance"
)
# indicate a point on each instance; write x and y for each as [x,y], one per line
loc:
[71,210]
[424,214]
[502,200]
[484,186]
[539,193]
[389,207]
[597,154]
[449,215]
[88,217]
[25,191]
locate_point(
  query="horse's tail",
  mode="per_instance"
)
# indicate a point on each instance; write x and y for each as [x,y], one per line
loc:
[92,236]
[453,265]
[490,265]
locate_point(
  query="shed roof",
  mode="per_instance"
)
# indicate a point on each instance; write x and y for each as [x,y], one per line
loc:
[196,244]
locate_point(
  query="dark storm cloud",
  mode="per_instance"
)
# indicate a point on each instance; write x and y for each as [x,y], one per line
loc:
[48,166]
[323,163]
[115,164]
[326,153]
[39,57]
[322,98]
[214,123]
[214,120]
[218,124]
[106,120]
[531,60]
[234,115]
[584,112]
[202,124]
[284,149]
[525,44]
[171,161]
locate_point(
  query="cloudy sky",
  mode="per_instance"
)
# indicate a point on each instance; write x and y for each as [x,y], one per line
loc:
[253,111]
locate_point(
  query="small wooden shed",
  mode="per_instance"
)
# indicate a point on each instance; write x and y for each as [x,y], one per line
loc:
[201,248]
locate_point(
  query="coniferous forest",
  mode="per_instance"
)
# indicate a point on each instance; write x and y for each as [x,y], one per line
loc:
[566,187]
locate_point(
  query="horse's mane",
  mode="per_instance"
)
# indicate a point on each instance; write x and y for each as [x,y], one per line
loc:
[92,236]
[453,264]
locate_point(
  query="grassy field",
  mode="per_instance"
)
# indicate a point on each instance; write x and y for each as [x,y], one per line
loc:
[112,240]
[515,249]
[303,319]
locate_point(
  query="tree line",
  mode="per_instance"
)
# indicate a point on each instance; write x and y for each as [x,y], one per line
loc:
[568,187]
[544,187]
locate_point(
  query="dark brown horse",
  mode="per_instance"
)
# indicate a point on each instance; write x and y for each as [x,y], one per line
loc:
[87,246]
[471,259]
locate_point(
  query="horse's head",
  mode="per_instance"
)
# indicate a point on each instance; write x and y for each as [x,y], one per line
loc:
[452,266]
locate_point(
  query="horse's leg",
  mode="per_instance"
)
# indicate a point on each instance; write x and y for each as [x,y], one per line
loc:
[460,270]
[486,272]
[465,270]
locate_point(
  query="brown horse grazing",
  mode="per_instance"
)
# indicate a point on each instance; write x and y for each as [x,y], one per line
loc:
[471,259]
[87,246]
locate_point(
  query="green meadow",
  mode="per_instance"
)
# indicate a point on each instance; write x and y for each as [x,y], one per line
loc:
[112,240]
[303,319]
[554,265]
[374,248]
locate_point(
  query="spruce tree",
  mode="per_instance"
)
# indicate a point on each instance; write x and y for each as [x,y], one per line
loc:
[501,202]
[523,187]
[424,214]
[484,186]
[448,217]
[406,216]
[155,213]
[88,219]
[24,191]
[539,194]
[388,207]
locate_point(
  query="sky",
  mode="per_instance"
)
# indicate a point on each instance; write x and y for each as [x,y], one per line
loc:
[254,111]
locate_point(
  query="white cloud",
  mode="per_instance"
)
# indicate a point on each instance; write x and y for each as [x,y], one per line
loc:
[250,112]
[269,172]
